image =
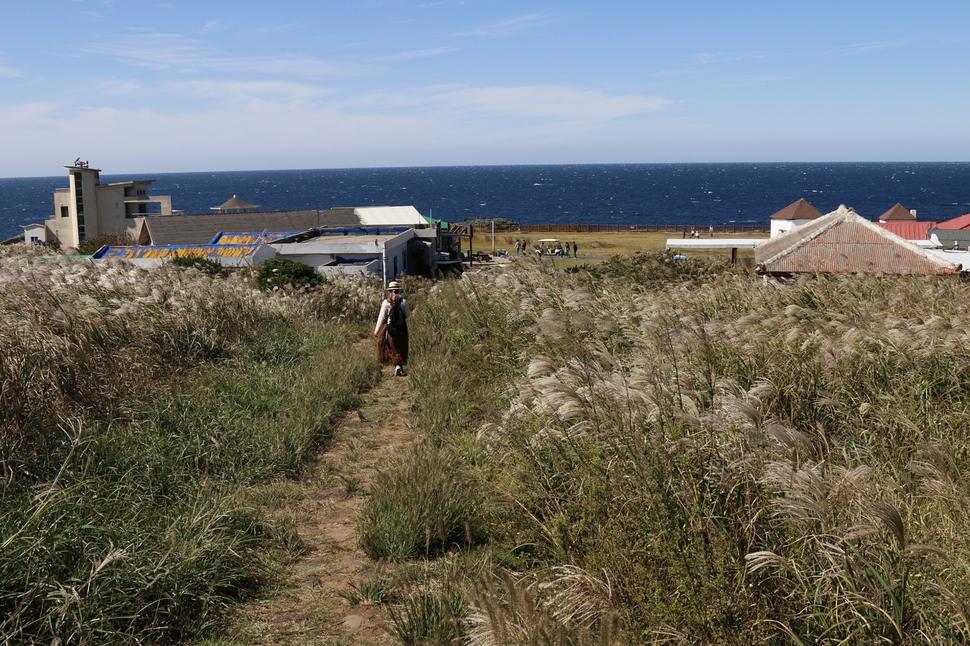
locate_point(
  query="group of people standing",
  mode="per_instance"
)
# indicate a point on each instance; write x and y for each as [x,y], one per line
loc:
[559,249]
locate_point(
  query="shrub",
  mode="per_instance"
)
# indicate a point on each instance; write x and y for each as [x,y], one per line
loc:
[422,505]
[91,245]
[430,618]
[206,266]
[281,272]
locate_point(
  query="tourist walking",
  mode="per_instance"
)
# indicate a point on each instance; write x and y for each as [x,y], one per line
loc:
[575,251]
[392,330]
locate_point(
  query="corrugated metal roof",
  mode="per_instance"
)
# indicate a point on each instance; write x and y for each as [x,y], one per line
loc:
[909,230]
[201,229]
[255,237]
[844,242]
[177,251]
[952,238]
[389,215]
[961,222]
[799,210]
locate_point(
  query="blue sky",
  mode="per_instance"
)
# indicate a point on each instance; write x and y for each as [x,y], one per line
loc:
[139,86]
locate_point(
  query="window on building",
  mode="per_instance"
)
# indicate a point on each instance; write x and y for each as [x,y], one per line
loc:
[79,201]
[65,212]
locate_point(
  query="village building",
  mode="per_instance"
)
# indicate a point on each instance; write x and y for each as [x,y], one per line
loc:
[843,242]
[384,240]
[87,209]
[903,222]
[794,215]
[898,213]
[960,222]
[235,205]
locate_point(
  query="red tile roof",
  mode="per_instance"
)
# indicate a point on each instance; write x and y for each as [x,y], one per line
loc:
[908,230]
[962,222]
[800,210]
[898,212]
[843,242]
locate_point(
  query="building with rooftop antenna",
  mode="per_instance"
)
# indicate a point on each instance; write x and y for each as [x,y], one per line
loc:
[87,208]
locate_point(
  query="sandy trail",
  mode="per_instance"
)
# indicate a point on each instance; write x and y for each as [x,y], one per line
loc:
[313,605]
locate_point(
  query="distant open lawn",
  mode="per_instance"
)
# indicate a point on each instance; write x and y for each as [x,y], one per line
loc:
[602,245]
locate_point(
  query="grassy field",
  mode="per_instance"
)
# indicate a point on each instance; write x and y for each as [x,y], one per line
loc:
[629,451]
[596,246]
[676,453]
[137,409]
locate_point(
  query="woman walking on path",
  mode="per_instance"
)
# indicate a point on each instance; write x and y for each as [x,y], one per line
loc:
[392,330]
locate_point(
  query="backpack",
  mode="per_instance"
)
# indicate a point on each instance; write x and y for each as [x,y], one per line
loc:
[395,321]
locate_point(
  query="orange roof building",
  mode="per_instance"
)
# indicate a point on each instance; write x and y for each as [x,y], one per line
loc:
[897,213]
[843,242]
[794,215]
[961,222]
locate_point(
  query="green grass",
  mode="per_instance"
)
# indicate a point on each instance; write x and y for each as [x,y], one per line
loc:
[637,452]
[735,462]
[129,442]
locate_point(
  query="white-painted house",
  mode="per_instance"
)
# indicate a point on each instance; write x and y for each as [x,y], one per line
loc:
[87,209]
[793,215]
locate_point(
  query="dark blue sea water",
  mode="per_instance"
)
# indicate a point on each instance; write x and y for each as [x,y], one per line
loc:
[700,194]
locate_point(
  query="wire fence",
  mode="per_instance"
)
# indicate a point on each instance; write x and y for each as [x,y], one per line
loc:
[620,228]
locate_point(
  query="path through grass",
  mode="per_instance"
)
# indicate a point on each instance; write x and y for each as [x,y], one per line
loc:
[331,593]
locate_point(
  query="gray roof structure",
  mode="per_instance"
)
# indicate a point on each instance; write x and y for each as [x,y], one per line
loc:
[952,238]
[201,229]
[843,242]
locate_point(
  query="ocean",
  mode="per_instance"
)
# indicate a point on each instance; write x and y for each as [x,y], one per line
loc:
[693,194]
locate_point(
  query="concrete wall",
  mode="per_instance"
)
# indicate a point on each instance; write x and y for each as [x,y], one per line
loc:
[105,209]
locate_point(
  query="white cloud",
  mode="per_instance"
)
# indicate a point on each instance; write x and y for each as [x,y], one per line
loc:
[855,49]
[285,125]
[174,52]
[528,102]
[511,26]
[420,53]
[10,72]
[748,81]
[281,92]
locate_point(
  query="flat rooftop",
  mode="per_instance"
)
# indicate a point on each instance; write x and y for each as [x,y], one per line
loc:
[714,243]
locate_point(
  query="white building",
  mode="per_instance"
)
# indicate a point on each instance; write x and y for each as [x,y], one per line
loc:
[385,240]
[793,215]
[88,209]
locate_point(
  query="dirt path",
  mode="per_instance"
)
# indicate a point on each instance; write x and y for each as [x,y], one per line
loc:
[319,602]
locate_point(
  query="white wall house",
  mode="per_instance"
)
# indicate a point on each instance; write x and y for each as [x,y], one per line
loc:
[88,208]
[35,233]
[385,255]
[794,215]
